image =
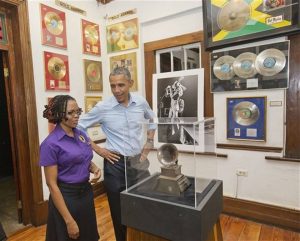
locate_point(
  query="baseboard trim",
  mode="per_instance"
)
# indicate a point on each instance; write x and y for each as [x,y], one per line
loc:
[265,213]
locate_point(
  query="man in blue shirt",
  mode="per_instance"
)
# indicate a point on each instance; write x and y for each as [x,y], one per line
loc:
[119,117]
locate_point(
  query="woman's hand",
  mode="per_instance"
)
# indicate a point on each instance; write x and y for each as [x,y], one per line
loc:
[97,175]
[73,230]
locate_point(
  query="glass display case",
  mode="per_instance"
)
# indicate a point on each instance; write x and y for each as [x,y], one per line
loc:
[167,182]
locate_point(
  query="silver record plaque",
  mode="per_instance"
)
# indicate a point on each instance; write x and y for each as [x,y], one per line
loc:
[244,65]
[223,69]
[270,62]
[245,113]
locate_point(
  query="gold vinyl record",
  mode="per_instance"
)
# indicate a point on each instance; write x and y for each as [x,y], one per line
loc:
[244,65]
[93,72]
[53,23]
[130,31]
[245,113]
[57,68]
[91,34]
[270,62]
[223,69]
[234,15]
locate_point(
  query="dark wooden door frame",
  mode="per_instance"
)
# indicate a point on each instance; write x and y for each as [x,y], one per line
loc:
[23,111]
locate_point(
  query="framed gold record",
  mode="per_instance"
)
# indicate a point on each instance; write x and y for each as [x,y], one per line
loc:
[53,22]
[93,75]
[91,101]
[229,22]
[128,61]
[56,71]
[90,37]
[122,36]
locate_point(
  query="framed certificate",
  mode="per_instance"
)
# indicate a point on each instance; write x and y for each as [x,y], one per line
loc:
[237,21]
[246,118]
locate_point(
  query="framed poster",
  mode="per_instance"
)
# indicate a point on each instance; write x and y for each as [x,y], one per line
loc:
[56,71]
[122,36]
[231,22]
[91,101]
[3,31]
[93,75]
[177,96]
[246,118]
[90,37]
[53,22]
[258,67]
[128,61]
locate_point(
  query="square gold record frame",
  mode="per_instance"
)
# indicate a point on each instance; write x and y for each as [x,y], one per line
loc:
[223,28]
[93,75]
[246,118]
[91,101]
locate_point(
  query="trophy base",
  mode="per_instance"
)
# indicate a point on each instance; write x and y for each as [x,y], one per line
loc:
[171,181]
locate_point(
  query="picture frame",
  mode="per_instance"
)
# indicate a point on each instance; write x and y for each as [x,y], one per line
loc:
[93,75]
[56,71]
[246,118]
[96,134]
[172,93]
[122,36]
[128,61]
[53,24]
[90,38]
[250,20]
[91,101]
[241,69]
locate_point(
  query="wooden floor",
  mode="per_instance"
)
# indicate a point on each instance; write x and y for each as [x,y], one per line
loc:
[234,229]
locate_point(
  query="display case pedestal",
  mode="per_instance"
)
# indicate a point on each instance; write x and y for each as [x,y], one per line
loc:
[156,215]
[137,235]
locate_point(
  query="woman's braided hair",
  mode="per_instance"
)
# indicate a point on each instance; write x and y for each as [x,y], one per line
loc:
[56,109]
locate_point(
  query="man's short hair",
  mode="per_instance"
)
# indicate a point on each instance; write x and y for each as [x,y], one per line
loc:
[121,70]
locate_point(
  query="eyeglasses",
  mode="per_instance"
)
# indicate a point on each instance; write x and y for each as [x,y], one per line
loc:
[75,112]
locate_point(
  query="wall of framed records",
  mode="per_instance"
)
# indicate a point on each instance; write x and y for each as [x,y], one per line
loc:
[237,21]
[262,66]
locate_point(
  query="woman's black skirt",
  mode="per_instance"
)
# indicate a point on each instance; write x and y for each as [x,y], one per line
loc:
[80,203]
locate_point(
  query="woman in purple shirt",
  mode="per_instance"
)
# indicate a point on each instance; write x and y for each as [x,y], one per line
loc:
[66,155]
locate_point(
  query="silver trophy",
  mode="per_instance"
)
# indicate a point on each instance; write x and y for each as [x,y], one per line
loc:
[171,180]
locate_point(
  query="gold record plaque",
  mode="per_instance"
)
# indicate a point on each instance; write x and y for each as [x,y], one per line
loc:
[90,38]
[56,71]
[53,24]
[122,36]
[93,75]
[91,101]
[128,61]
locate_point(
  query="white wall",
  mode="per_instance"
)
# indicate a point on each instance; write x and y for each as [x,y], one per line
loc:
[268,181]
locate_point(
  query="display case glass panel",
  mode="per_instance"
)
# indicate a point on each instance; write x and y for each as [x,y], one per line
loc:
[169,165]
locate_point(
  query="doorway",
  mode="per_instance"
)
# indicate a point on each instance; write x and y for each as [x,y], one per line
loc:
[10,215]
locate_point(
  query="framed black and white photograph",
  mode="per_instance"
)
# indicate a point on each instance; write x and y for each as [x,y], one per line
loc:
[246,118]
[178,96]
[232,22]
